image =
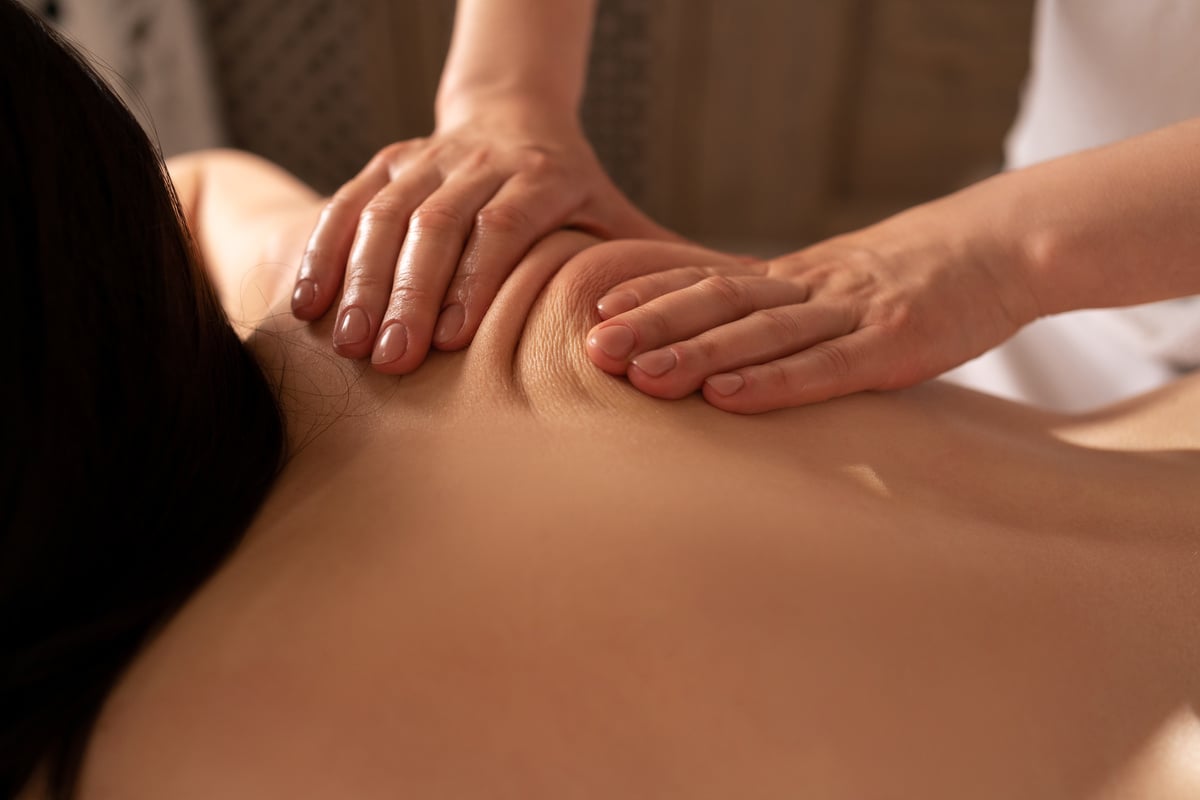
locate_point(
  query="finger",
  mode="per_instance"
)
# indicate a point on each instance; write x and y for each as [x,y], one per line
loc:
[371,268]
[324,261]
[522,211]
[766,335]
[632,293]
[853,363]
[682,314]
[430,254]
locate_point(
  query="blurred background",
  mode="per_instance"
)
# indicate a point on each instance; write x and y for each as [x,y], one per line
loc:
[756,125]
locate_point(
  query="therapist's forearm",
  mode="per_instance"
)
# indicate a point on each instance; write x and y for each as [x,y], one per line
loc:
[1113,226]
[526,55]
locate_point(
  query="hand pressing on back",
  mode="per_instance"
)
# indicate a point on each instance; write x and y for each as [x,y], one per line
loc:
[882,308]
[424,236]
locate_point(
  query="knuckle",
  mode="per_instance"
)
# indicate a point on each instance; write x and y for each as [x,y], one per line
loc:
[898,317]
[773,376]
[478,157]
[340,202]
[659,283]
[316,258]
[464,287]
[393,152]
[502,219]
[834,358]
[462,295]
[432,150]
[727,291]
[538,162]
[652,322]
[382,212]
[361,278]
[438,218]
[705,348]
[409,293]
[780,323]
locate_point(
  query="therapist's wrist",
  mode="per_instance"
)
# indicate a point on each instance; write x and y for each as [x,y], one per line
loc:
[991,225]
[509,107]
[1026,220]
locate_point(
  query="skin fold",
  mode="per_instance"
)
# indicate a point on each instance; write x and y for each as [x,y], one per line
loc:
[510,574]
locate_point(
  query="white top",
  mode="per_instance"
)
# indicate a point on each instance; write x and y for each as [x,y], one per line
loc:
[1102,70]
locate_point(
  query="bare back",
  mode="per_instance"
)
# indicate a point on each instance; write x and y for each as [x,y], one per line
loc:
[510,575]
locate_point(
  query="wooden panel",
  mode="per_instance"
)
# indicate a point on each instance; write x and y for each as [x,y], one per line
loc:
[675,81]
[773,122]
[744,116]
[407,43]
[937,88]
[752,124]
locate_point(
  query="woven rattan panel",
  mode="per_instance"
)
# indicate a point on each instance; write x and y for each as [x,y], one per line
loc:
[289,76]
[619,91]
[761,120]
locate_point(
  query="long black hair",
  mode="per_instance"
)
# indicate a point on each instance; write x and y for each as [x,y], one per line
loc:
[139,436]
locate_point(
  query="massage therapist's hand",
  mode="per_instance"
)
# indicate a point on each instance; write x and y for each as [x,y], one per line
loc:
[427,232]
[882,308]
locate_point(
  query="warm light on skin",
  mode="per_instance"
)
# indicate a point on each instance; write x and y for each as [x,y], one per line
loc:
[1164,422]
[1147,437]
[1095,435]
[1173,750]
[1178,741]
[866,476]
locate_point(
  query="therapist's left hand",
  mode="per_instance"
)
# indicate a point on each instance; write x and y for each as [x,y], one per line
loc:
[883,308]
[422,239]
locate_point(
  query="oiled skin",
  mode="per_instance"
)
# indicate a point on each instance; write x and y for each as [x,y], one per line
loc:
[510,575]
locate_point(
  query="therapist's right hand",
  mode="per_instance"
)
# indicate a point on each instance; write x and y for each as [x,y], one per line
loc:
[424,236]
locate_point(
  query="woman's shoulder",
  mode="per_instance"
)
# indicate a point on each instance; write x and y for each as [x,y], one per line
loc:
[249,219]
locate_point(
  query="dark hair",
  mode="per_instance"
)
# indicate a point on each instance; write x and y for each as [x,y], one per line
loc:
[139,435]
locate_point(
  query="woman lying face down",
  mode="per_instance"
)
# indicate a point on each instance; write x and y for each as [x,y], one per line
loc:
[510,574]
[139,434]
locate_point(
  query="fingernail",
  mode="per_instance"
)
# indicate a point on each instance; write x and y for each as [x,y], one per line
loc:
[615,341]
[616,303]
[352,328]
[726,384]
[449,324]
[656,362]
[391,345]
[306,292]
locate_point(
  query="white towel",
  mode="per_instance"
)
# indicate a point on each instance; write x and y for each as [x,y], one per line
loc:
[1087,359]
